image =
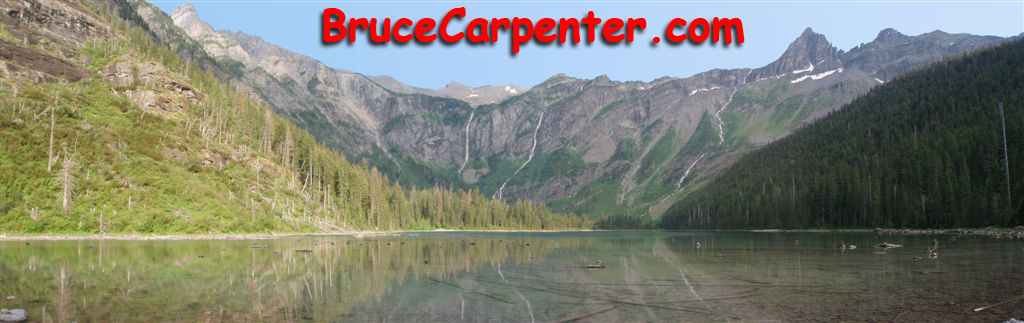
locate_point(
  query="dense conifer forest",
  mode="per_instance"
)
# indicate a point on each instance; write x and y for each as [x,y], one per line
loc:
[939,147]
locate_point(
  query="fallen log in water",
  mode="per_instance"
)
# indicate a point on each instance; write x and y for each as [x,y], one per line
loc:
[886,245]
[586,315]
[1012,300]
[473,291]
[596,265]
[897,317]
[692,310]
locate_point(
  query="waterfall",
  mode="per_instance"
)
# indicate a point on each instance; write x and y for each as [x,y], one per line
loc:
[466,158]
[679,185]
[528,159]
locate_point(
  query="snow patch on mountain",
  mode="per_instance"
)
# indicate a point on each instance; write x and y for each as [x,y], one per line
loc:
[703,90]
[817,76]
[808,69]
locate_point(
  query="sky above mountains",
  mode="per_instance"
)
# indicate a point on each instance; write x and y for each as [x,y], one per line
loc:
[769,27]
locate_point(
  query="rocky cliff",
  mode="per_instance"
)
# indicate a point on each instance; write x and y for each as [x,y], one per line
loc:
[596,146]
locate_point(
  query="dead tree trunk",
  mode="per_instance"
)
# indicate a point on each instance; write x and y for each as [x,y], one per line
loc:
[53,124]
[67,181]
[1006,157]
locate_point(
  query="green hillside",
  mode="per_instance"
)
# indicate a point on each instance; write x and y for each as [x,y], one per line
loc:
[924,150]
[149,143]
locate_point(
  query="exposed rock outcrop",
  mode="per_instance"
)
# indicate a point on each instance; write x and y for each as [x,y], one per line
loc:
[150,86]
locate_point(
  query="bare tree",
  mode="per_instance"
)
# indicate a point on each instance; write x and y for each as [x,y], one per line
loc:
[53,124]
[67,180]
[1006,156]
[268,133]
[286,148]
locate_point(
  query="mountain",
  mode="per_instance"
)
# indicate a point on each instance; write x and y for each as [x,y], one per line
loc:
[488,94]
[112,124]
[594,146]
[407,132]
[939,147]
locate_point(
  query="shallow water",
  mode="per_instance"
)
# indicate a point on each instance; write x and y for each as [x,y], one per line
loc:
[521,277]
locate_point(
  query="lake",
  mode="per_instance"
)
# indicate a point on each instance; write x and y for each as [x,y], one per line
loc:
[519,277]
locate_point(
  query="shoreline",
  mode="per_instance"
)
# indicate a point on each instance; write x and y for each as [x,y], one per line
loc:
[242,236]
[992,232]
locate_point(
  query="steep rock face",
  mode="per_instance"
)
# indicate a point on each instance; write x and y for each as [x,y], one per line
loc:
[39,39]
[614,141]
[397,131]
[809,53]
[595,146]
[638,144]
[214,43]
[151,86]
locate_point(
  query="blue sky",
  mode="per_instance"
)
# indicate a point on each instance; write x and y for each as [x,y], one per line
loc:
[769,26]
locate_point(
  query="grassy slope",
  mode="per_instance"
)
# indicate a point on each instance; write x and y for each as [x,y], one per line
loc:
[201,170]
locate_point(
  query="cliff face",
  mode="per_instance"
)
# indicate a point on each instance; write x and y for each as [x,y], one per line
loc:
[595,146]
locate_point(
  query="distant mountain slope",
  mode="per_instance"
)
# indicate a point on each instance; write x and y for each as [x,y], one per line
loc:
[410,133]
[594,146]
[488,94]
[106,129]
[924,150]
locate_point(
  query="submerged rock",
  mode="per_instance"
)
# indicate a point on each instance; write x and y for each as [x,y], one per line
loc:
[13,315]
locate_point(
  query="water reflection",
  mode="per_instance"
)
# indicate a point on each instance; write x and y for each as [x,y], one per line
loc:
[516,277]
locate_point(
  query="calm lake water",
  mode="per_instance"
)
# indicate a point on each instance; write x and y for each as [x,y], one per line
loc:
[520,277]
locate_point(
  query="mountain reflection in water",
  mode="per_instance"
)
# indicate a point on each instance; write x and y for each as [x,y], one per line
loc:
[646,276]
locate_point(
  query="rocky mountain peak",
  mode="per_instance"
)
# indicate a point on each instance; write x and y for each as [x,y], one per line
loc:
[455,85]
[217,45]
[809,52]
[602,79]
[186,17]
[810,47]
[890,34]
[185,8]
[893,53]
[554,79]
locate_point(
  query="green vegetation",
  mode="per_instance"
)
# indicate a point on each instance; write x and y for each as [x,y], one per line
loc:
[622,221]
[625,150]
[546,165]
[925,150]
[213,163]
[422,173]
[703,138]
[4,36]
[658,154]
[500,170]
[597,198]
[607,108]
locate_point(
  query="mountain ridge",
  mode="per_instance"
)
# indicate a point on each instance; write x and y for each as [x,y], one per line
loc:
[650,128]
